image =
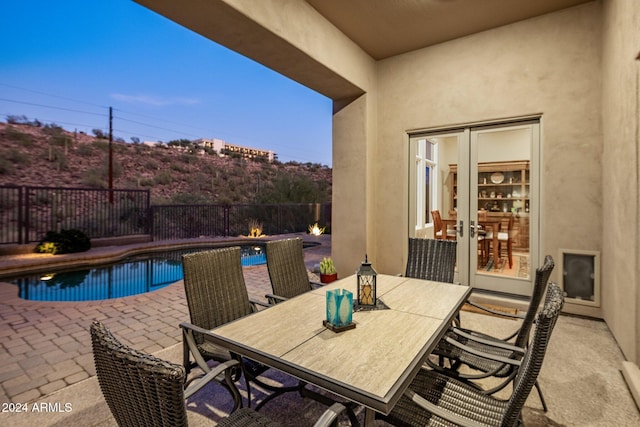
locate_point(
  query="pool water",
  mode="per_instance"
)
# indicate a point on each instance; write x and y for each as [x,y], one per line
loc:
[131,276]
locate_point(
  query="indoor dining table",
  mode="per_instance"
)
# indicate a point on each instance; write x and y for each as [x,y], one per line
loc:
[488,224]
[371,365]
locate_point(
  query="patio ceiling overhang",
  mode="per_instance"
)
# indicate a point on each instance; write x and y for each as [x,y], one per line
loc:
[385,28]
[379,28]
[220,22]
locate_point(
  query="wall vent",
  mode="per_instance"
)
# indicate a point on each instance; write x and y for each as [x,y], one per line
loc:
[580,276]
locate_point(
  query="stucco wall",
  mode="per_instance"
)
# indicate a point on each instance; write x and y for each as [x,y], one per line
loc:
[620,111]
[549,65]
[349,227]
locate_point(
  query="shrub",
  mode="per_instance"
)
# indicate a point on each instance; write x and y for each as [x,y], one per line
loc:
[92,178]
[6,167]
[163,178]
[14,134]
[176,167]
[84,150]
[64,242]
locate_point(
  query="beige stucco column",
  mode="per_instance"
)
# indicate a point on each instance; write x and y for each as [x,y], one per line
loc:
[621,164]
[353,202]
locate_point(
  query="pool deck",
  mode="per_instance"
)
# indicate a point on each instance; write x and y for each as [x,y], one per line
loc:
[45,346]
[47,360]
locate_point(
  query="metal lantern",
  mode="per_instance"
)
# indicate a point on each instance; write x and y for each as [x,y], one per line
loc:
[366,284]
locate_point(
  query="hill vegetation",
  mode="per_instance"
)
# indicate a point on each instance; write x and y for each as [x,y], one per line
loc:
[36,154]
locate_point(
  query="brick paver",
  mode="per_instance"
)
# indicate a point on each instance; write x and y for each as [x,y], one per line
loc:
[45,346]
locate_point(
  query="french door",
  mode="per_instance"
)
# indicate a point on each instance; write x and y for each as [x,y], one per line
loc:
[484,181]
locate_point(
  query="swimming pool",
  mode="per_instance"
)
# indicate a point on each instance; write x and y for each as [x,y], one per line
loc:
[133,275]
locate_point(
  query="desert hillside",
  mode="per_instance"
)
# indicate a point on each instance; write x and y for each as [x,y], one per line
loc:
[47,155]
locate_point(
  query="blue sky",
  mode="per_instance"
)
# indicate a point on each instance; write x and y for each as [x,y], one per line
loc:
[67,62]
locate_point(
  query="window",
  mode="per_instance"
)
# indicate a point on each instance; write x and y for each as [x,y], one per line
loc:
[426,177]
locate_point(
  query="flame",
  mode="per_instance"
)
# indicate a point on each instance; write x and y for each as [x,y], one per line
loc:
[316,230]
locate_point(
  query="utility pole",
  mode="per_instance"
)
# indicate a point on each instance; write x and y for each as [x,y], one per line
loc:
[111,155]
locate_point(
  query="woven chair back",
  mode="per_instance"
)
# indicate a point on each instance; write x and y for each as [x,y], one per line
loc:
[532,362]
[215,288]
[431,259]
[287,271]
[539,289]
[139,389]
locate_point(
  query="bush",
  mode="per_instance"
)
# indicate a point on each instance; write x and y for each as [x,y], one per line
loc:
[6,167]
[92,178]
[84,150]
[64,242]
[20,137]
[163,178]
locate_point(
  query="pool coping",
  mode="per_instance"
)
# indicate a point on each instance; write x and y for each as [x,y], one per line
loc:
[12,265]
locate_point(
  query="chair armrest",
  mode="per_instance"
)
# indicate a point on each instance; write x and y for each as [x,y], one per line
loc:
[482,354]
[440,412]
[211,375]
[495,312]
[275,298]
[255,303]
[489,342]
[194,328]
[327,418]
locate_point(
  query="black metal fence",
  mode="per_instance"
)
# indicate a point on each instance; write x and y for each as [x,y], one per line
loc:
[27,213]
[188,221]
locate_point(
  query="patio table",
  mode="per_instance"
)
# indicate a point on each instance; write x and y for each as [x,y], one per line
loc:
[371,365]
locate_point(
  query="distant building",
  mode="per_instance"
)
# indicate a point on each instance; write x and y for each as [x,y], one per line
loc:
[223,148]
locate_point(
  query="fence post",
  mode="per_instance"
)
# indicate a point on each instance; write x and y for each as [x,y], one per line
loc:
[20,214]
[226,221]
[151,230]
[27,211]
[149,212]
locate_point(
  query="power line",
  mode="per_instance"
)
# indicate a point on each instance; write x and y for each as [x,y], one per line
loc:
[50,106]
[53,96]
[153,126]
[164,120]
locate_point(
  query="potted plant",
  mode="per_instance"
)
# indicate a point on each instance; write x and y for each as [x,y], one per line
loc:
[327,271]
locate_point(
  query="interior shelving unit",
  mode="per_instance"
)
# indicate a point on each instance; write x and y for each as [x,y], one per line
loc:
[503,189]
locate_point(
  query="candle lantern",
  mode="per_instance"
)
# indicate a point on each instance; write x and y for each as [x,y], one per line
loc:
[366,284]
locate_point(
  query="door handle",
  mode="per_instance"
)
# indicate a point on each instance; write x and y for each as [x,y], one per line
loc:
[461,228]
[472,229]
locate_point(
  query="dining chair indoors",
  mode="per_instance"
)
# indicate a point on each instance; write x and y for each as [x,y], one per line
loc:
[436,399]
[441,231]
[431,259]
[216,294]
[472,341]
[483,246]
[506,238]
[287,270]
[143,390]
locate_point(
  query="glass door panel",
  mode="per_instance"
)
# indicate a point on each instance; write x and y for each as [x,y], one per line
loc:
[501,207]
[484,183]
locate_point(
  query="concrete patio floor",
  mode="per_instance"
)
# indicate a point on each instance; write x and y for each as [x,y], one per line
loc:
[46,354]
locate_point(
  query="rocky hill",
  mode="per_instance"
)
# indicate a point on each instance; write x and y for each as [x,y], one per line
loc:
[47,155]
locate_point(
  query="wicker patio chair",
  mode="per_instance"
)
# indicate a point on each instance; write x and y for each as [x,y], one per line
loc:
[431,259]
[475,341]
[287,271]
[142,390]
[436,399]
[216,294]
